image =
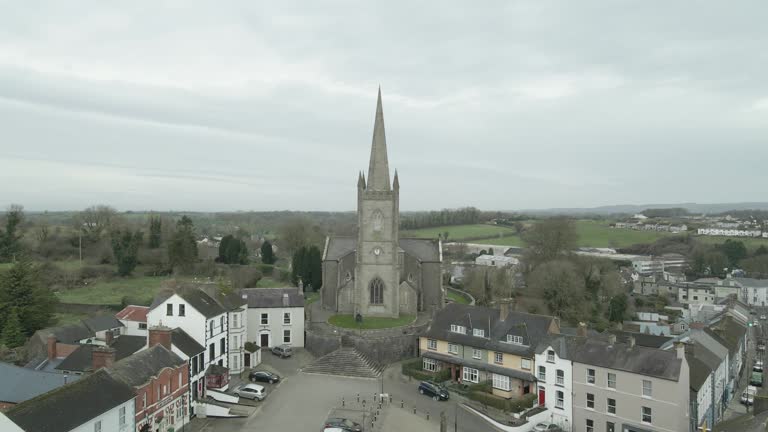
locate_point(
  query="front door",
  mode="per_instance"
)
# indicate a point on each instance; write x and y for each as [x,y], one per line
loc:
[541,397]
[247,360]
[264,340]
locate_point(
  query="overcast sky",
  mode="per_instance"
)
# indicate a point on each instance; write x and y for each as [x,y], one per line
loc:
[246,105]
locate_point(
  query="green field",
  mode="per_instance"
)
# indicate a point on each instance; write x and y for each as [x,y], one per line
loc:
[456,297]
[140,289]
[62,318]
[750,243]
[460,232]
[348,321]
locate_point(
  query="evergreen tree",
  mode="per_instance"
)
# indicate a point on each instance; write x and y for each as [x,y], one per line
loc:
[617,308]
[182,249]
[314,268]
[12,335]
[155,232]
[267,254]
[10,239]
[20,288]
[762,250]
[734,250]
[125,246]
[232,251]
[298,266]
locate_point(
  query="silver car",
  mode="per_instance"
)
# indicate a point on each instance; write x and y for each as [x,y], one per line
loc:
[282,351]
[251,391]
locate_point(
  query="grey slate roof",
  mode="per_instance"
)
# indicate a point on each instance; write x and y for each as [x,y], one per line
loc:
[532,328]
[70,333]
[102,322]
[426,250]
[338,247]
[20,384]
[477,364]
[137,369]
[731,333]
[596,352]
[81,359]
[698,372]
[752,283]
[642,339]
[67,407]
[272,297]
[181,340]
[196,298]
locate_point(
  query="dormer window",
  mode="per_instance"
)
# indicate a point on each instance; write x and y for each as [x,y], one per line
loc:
[514,339]
[478,332]
[458,329]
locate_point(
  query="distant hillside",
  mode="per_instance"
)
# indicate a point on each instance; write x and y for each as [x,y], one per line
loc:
[632,209]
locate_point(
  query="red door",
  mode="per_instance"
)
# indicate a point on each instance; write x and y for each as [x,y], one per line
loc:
[541,397]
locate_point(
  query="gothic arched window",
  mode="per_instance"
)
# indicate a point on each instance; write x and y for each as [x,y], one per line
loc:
[377,219]
[376,287]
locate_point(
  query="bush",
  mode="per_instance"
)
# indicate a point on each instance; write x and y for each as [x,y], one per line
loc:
[266,269]
[490,400]
[522,403]
[93,272]
[414,368]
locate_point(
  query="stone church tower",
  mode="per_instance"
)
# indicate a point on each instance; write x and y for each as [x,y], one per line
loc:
[377,271]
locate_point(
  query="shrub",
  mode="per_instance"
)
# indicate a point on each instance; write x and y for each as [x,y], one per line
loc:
[414,368]
[522,403]
[266,269]
[490,400]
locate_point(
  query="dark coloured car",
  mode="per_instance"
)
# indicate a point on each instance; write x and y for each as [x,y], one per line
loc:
[435,391]
[282,351]
[345,424]
[263,376]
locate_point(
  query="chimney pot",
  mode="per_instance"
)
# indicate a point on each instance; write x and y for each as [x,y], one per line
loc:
[611,338]
[504,306]
[631,342]
[286,300]
[582,330]
[680,348]
[51,346]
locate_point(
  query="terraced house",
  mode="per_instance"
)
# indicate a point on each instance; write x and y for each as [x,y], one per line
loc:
[481,344]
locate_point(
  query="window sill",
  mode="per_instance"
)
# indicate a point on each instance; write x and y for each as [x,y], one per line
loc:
[559,407]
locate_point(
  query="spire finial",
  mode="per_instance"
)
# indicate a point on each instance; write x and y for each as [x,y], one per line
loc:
[378,169]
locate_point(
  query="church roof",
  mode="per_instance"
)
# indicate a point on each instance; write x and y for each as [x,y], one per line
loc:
[378,168]
[423,249]
[338,247]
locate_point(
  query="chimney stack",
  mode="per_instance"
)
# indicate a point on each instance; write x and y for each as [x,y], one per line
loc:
[51,346]
[103,357]
[108,337]
[159,335]
[286,300]
[611,338]
[680,348]
[503,309]
[582,330]
[631,342]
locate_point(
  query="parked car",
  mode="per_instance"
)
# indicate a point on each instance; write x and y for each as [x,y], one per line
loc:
[263,376]
[346,425]
[756,379]
[758,366]
[282,351]
[435,391]
[251,391]
[547,427]
[761,346]
[762,317]
[748,396]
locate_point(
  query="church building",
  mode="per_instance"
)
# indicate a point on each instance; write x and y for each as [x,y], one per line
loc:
[378,273]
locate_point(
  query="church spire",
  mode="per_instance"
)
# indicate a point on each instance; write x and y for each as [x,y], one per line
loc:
[378,169]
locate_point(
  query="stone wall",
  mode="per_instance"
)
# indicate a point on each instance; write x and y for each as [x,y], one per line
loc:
[319,344]
[383,346]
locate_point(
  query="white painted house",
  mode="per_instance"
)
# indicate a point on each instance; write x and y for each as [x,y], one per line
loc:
[554,386]
[496,260]
[134,319]
[275,316]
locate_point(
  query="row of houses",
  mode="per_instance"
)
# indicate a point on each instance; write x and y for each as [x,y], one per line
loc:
[150,367]
[611,381]
[640,226]
[732,232]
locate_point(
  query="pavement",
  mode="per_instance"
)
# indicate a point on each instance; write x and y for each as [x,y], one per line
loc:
[303,401]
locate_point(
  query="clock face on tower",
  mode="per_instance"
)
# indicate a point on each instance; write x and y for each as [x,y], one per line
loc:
[377,251]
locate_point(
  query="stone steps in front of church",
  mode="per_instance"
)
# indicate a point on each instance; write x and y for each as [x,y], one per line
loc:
[345,362]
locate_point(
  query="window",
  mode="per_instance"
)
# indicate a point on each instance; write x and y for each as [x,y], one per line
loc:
[211,351]
[590,425]
[458,329]
[590,400]
[431,344]
[611,406]
[551,356]
[542,374]
[145,401]
[476,353]
[513,339]
[97,426]
[286,318]
[168,312]
[430,365]
[234,320]
[287,336]
[647,388]
[194,365]
[498,358]
[122,416]
[234,362]
[478,332]
[471,375]
[525,364]
[210,328]
[647,415]
[501,382]
[221,346]
[453,348]
[142,326]
[235,341]
[221,323]
[560,378]
[378,219]
[182,310]
[610,427]
[181,380]
[165,389]
[611,380]
[376,288]
[264,319]
[590,376]
[559,399]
